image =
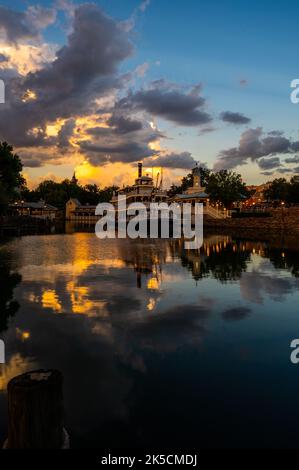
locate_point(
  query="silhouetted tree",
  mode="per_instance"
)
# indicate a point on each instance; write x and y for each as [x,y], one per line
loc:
[227,187]
[277,191]
[187,182]
[11,179]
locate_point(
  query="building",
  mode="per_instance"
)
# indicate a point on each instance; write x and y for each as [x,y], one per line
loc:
[144,190]
[197,194]
[82,214]
[40,209]
[257,195]
[74,180]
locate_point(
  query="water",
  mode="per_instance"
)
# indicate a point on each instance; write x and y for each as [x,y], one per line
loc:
[158,346]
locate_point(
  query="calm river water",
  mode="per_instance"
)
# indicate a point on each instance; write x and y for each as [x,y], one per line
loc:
[158,346]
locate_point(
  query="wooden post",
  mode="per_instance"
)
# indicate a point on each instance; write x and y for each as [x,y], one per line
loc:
[35,411]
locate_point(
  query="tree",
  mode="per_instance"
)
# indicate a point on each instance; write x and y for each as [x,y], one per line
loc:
[227,187]
[187,182]
[293,190]
[278,190]
[58,194]
[11,180]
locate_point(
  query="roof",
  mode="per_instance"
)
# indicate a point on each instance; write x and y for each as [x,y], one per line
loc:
[35,205]
[73,199]
[145,178]
[192,196]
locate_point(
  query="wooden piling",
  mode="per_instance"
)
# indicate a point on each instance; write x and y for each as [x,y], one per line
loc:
[35,411]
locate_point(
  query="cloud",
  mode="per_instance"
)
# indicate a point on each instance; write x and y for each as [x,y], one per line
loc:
[127,152]
[269,163]
[84,70]
[294,159]
[23,26]
[79,91]
[164,100]
[125,125]
[253,145]
[207,130]
[142,69]
[66,132]
[3,58]
[234,118]
[182,160]
[284,170]
[144,5]
[276,133]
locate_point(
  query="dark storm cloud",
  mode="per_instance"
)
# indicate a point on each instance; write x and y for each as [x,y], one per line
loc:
[126,152]
[284,170]
[17,26]
[269,163]
[294,159]
[171,103]
[32,158]
[182,160]
[85,69]
[3,58]
[253,145]
[234,118]
[125,125]
[120,143]
[275,133]
[66,133]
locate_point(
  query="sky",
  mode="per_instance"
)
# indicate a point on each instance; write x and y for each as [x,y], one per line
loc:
[97,87]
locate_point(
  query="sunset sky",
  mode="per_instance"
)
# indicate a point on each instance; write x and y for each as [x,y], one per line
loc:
[97,87]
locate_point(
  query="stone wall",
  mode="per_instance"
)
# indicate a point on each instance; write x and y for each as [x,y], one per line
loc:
[282,219]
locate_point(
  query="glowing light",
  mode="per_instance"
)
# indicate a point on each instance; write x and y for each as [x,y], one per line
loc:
[153,284]
[81,304]
[151,304]
[50,300]
[17,365]
[23,335]
[29,95]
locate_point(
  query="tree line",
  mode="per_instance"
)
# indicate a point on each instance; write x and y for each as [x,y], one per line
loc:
[281,190]
[225,187]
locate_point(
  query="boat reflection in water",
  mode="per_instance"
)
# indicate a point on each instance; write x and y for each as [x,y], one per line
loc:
[157,344]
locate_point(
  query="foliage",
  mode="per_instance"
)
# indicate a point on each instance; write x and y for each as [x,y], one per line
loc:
[277,190]
[282,190]
[187,182]
[226,187]
[58,194]
[11,179]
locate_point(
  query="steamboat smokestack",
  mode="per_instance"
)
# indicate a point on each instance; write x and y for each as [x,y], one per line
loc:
[139,170]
